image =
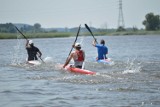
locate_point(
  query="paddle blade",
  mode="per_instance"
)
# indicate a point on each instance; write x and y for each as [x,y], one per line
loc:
[88,29]
[90,32]
[77,33]
[75,39]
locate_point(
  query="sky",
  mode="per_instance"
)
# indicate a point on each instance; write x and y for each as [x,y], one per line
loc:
[72,13]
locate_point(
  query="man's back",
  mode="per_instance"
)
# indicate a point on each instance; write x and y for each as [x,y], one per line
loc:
[32,51]
[102,51]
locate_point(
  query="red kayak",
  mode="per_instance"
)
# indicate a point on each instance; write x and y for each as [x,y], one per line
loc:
[78,70]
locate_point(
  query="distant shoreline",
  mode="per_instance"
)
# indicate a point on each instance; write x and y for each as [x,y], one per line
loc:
[71,34]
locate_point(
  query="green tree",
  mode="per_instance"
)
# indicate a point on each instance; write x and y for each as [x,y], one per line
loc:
[152,22]
[37,27]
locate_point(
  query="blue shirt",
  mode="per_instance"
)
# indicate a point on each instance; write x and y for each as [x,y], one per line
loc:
[102,51]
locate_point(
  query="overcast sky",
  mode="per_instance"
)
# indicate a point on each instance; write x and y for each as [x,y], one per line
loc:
[71,13]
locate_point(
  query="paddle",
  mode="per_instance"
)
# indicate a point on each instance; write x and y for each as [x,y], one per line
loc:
[67,61]
[74,40]
[26,39]
[90,32]
[41,59]
[21,33]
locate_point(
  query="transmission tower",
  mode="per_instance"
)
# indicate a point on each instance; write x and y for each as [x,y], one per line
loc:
[120,17]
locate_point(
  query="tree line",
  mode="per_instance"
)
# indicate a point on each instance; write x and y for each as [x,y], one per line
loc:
[151,23]
[10,28]
[7,28]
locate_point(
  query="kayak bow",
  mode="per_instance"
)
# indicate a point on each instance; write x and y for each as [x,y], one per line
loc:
[78,70]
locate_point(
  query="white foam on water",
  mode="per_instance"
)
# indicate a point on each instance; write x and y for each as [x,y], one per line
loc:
[132,67]
[48,60]
[129,71]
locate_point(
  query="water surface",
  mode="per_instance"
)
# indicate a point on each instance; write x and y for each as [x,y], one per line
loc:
[132,80]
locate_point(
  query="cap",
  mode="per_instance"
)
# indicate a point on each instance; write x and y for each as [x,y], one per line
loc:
[30,42]
[77,45]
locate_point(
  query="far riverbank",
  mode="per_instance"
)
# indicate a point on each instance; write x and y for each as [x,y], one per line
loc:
[70,34]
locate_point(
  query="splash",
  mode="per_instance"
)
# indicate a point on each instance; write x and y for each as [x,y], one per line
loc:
[48,60]
[16,55]
[132,67]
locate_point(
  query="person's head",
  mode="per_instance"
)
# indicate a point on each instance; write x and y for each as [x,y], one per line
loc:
[31,42]
[102,42]
[78,46]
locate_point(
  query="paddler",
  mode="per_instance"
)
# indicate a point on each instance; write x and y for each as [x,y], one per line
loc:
[32,51]
[78,56]
[101,49]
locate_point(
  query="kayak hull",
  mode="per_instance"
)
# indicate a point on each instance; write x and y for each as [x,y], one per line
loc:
[78,70]
[34,62]
[105,61]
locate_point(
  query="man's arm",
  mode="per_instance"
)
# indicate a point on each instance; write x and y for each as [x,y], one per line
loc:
[83,54]
[27,42]
[94,43]
[68,60]
[39,53]
[106,50]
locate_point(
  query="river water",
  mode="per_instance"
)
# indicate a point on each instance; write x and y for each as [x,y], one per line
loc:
[132,80]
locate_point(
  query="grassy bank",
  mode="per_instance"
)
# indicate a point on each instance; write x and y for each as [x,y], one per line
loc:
[68,34]
[35,35]
[141,32]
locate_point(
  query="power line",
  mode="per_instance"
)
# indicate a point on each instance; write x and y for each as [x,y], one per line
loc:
[120,17]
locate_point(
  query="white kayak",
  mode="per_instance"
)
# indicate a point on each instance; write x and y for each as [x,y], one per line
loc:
[105,61]
[47,60]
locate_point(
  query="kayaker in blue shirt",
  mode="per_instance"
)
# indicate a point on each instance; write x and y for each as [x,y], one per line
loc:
[101,49]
